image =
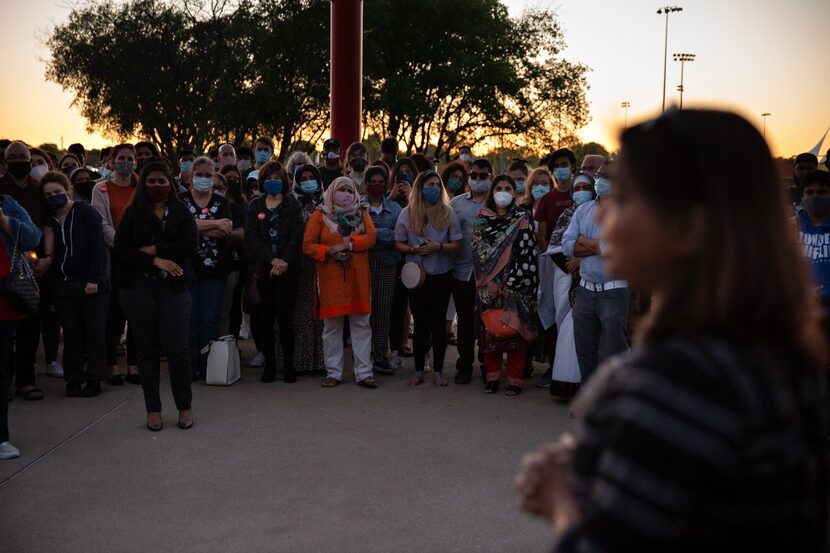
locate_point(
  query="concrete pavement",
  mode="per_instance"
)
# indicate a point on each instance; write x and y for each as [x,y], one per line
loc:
[276,468]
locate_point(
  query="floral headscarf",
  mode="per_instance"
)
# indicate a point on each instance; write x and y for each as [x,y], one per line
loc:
[344,221]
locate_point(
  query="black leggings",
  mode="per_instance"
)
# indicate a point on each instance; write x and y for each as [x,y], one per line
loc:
[279,296]
[429,313]
[400,301]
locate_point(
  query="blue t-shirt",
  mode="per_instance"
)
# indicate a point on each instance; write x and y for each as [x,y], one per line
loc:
[815,243]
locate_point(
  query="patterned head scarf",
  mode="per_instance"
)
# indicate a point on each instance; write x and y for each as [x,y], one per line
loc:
[348,220]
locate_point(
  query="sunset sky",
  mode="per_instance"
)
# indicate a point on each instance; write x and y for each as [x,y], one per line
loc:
[753,56]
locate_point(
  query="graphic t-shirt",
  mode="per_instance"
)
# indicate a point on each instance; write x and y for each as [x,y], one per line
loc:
[815,242]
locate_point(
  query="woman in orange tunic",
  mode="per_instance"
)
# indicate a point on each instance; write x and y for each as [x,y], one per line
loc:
[338,237]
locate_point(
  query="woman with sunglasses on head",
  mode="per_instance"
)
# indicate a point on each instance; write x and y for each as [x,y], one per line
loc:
[428,233]
[308,329]
[711,434]
[154,244]
[505,255]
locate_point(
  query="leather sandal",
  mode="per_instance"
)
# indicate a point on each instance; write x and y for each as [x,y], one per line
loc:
[329,382]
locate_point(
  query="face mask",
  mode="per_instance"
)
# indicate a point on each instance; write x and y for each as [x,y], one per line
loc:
[185,166]
[230,160]
[308,186]
[142,162]
[358,164]
[38,171]
[202,184]
[262,157]
[376,190]
[343,198]
[233,186]
[539,190]
[273,187]
[332,156]
[562,174]
[503,199]
[520,186]
[480,186]
[84,188]
[464,157]
[244,164]
[583,196]
[106,173]
[603,187]
[124,168]
[57,201]
[19,169]
[407,177]
[431,195]
[158,193]
[454,184]
[817,206]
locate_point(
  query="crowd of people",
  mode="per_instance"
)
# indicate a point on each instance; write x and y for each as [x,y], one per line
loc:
[399,257]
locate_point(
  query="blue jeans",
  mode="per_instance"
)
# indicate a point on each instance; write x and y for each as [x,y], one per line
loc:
[600,327]
[206,314]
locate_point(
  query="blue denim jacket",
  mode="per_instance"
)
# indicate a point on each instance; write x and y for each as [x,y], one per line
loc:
[30,235]
[385,221]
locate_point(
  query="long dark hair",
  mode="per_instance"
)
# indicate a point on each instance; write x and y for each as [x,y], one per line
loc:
[141,208]
[749,283]
[400,163]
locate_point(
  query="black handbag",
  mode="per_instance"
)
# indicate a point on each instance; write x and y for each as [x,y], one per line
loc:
[20,288]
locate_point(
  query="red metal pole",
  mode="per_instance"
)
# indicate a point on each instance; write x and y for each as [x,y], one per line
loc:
[346,70]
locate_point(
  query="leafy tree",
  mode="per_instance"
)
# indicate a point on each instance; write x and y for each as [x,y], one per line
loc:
[591,148]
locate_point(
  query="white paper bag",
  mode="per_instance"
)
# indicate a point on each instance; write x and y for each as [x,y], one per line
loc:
[223,362]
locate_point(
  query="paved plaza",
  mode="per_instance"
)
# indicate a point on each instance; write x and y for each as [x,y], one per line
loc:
[276,468]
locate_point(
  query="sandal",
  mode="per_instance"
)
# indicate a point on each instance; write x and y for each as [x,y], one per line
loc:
[439,380]
[492,387]
[30,393]
[368,382]
[416,379]
[513,390]
[329,382]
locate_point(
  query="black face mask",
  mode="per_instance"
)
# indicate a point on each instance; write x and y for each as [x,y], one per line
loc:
[358,164]
[19,169]
[84,188]
[233,186]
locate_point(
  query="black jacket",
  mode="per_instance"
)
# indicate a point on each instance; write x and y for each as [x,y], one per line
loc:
[80,255]
[290,233]
[177,241]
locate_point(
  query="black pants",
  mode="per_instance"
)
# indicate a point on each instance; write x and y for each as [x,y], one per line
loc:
[22,355]
[400,301]
[464,296]
[6,339]
[161,320]
[279,296]
[429,313]
[84,321]
[115,329]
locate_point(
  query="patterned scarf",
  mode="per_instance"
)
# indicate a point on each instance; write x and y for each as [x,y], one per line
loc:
[343,221]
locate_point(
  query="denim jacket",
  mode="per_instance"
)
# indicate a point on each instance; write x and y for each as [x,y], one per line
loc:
[384,250]
[30,235]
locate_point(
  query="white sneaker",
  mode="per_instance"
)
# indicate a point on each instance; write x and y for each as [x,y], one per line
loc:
[395,360]
[8,451]
[258,360]
[245,327]
[54,369]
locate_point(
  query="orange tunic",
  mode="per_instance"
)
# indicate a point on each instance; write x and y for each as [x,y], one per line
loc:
[340,289]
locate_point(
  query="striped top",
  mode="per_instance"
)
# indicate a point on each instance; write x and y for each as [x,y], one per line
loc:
[695,446]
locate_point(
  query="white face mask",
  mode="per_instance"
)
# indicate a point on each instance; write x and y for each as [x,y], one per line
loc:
[503,199]
[38,171]
[464,157]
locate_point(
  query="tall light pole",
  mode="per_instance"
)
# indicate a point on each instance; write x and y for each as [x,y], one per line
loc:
[682,58]
[764,116]
[667,10]
[625,105]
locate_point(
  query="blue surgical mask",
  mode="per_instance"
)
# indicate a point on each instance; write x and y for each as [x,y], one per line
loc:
[262,156]
[106,173]
[202,184]
[539,190]
[816,206]
[308,186]
[185,166]
[583,196]
[454,184]
[602,186]
[431,195]
[273,187]
[561,174]
[520,187]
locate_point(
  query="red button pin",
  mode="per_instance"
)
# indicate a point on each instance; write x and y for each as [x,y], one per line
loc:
[261,216]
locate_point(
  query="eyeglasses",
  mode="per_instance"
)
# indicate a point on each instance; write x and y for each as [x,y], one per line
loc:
[477,176]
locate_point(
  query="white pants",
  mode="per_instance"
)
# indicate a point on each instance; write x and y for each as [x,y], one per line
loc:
[361,335]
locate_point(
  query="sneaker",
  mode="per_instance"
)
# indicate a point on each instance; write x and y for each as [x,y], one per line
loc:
[545,379]
[426,363]
[395,361]
[8,451]
[54,369]
[383,367]
[258,360]
[245,327]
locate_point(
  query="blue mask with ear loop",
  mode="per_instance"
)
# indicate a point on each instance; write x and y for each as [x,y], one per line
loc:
[273,187]
[431,195]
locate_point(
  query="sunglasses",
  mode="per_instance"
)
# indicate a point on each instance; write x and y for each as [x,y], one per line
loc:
[477,176]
